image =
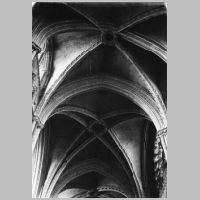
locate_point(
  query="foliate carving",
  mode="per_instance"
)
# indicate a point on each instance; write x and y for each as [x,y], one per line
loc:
[113,188]
[35,75]
[160,162]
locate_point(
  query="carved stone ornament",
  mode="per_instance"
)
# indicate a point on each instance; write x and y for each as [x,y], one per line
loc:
[160,162]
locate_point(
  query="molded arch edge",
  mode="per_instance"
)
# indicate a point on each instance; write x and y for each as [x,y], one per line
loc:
[129,90]
[135,93]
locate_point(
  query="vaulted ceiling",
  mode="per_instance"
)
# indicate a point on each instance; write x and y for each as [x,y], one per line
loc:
[97,137]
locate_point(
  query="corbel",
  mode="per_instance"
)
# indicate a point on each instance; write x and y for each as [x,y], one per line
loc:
[36,48]
[38,122]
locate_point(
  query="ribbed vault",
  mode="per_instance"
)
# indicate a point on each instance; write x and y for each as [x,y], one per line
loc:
[99,100]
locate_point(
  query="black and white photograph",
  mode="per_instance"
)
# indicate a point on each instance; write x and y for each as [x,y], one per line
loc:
[99,99]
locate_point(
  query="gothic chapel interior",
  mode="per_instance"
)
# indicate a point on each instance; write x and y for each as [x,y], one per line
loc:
[99,100]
